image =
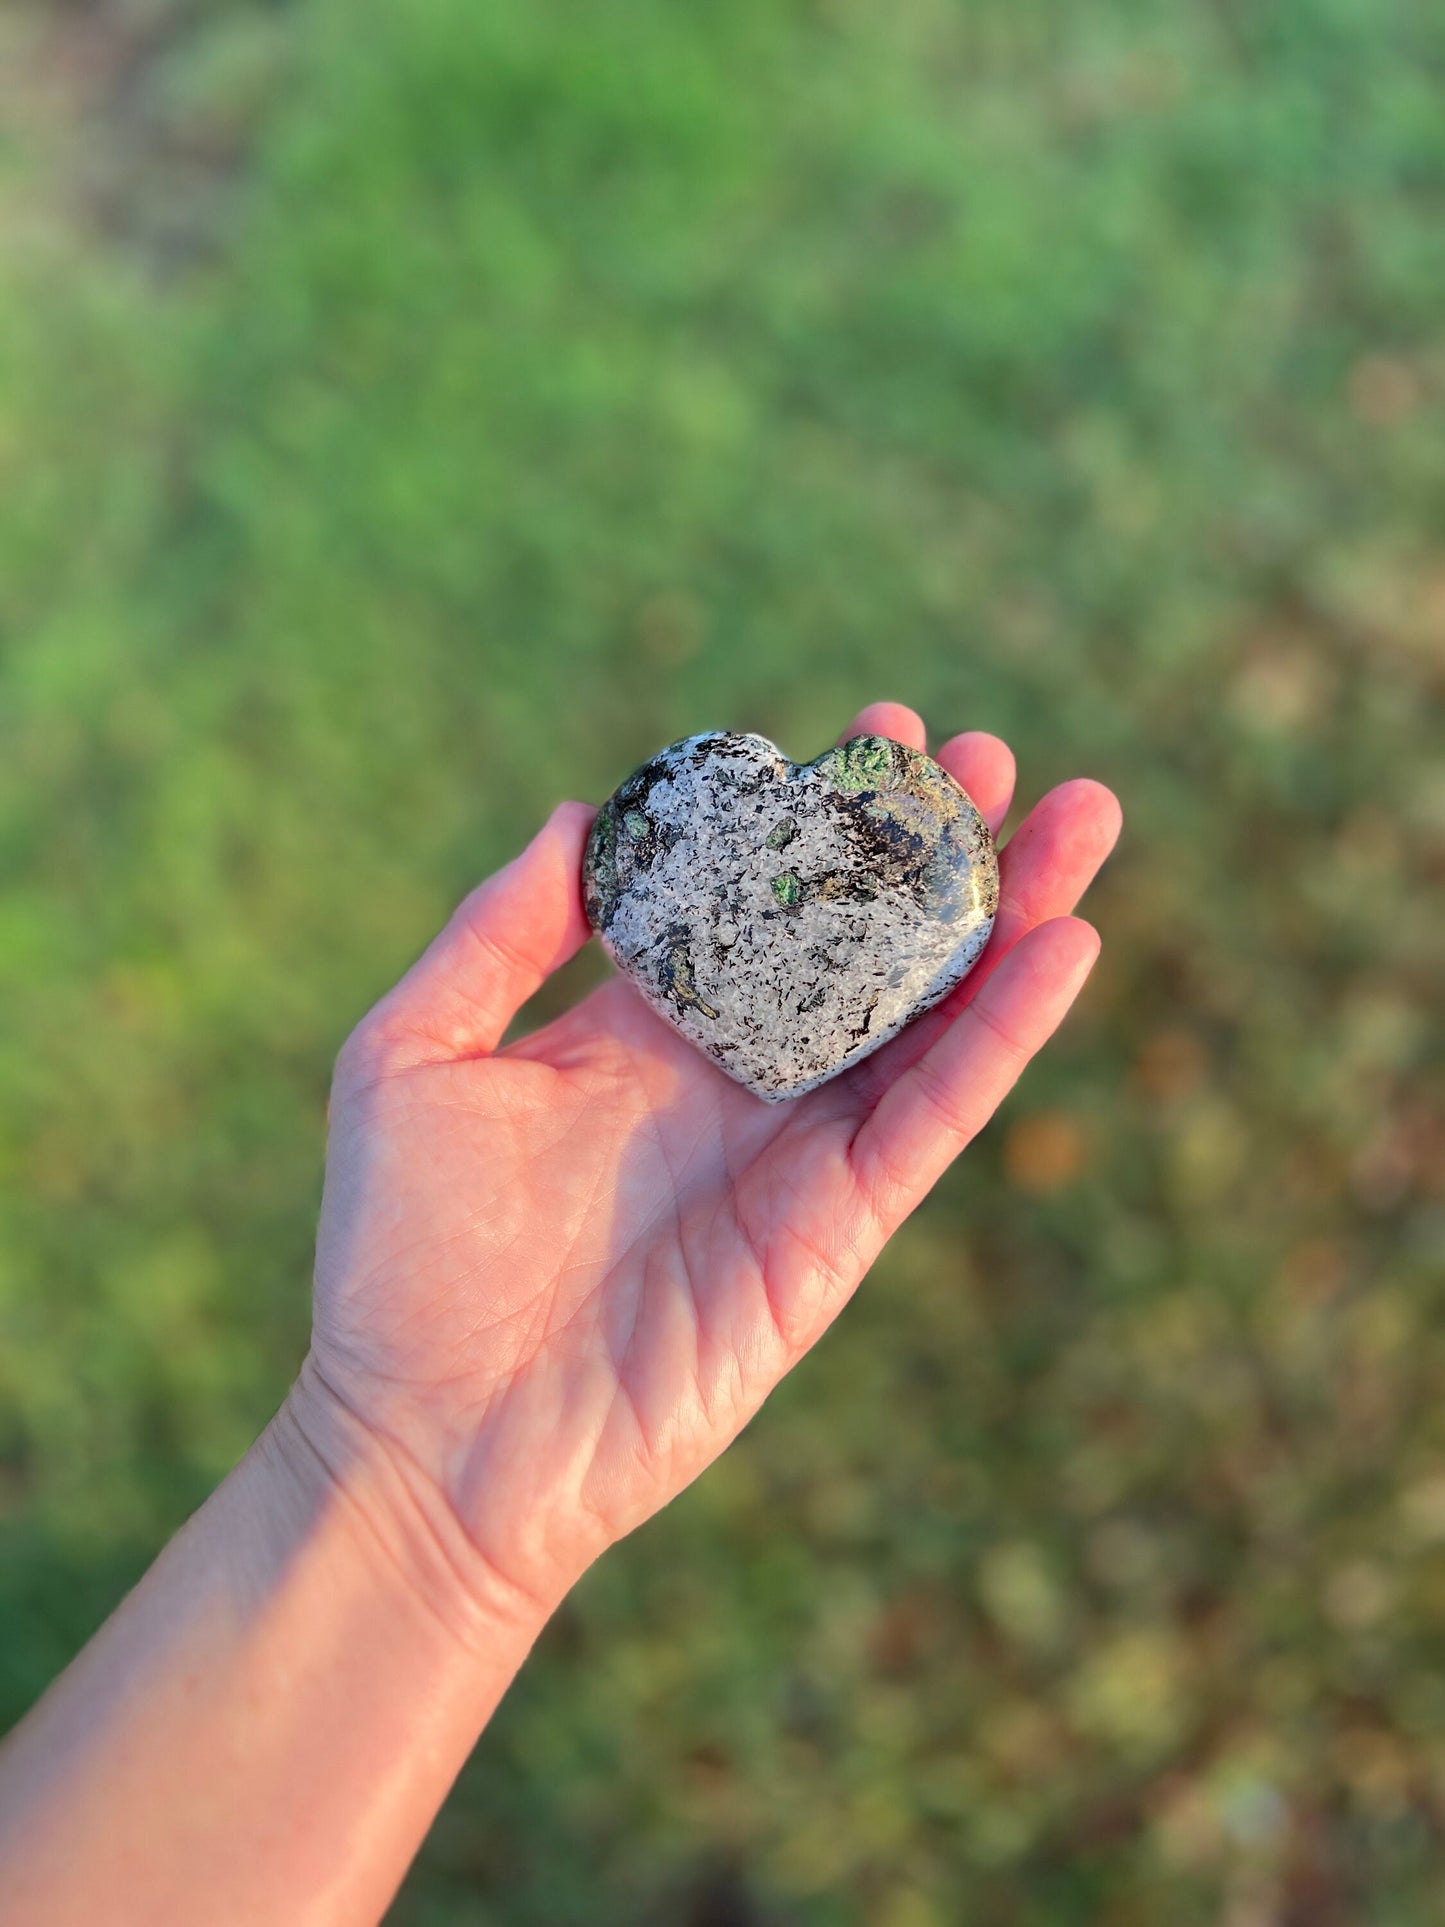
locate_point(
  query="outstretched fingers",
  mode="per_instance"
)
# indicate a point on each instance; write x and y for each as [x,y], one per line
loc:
[1046,866]
[940,1102]
[983,765]
[500,944]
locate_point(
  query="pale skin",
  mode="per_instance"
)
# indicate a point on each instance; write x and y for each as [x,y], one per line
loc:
[554,1279]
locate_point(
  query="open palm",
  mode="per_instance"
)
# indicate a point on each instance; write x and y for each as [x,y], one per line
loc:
[556,1277]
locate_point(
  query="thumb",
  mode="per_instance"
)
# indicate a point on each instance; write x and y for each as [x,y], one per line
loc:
[498,946]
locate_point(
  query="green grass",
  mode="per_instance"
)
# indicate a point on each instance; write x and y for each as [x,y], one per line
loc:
[455,403]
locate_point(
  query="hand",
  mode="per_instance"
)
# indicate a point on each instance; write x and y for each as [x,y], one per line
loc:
[554,1279]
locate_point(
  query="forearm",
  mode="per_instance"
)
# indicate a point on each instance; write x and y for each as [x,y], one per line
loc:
[265,1728]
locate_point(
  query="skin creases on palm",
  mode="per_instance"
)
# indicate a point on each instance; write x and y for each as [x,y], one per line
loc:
[555,1279]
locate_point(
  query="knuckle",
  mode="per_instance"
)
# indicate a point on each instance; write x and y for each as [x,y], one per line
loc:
[371,1052]
[1001,1032]
[500,955]
[888,1185]
[941,1102]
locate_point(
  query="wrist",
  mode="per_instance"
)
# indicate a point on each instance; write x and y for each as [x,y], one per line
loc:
[399,1522]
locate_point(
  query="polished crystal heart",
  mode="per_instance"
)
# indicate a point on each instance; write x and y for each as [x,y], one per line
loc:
[789,918]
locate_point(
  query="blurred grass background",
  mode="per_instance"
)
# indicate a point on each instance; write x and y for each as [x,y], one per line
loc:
[410,415]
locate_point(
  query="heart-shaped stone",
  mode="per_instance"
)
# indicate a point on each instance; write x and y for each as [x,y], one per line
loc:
[789,918]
